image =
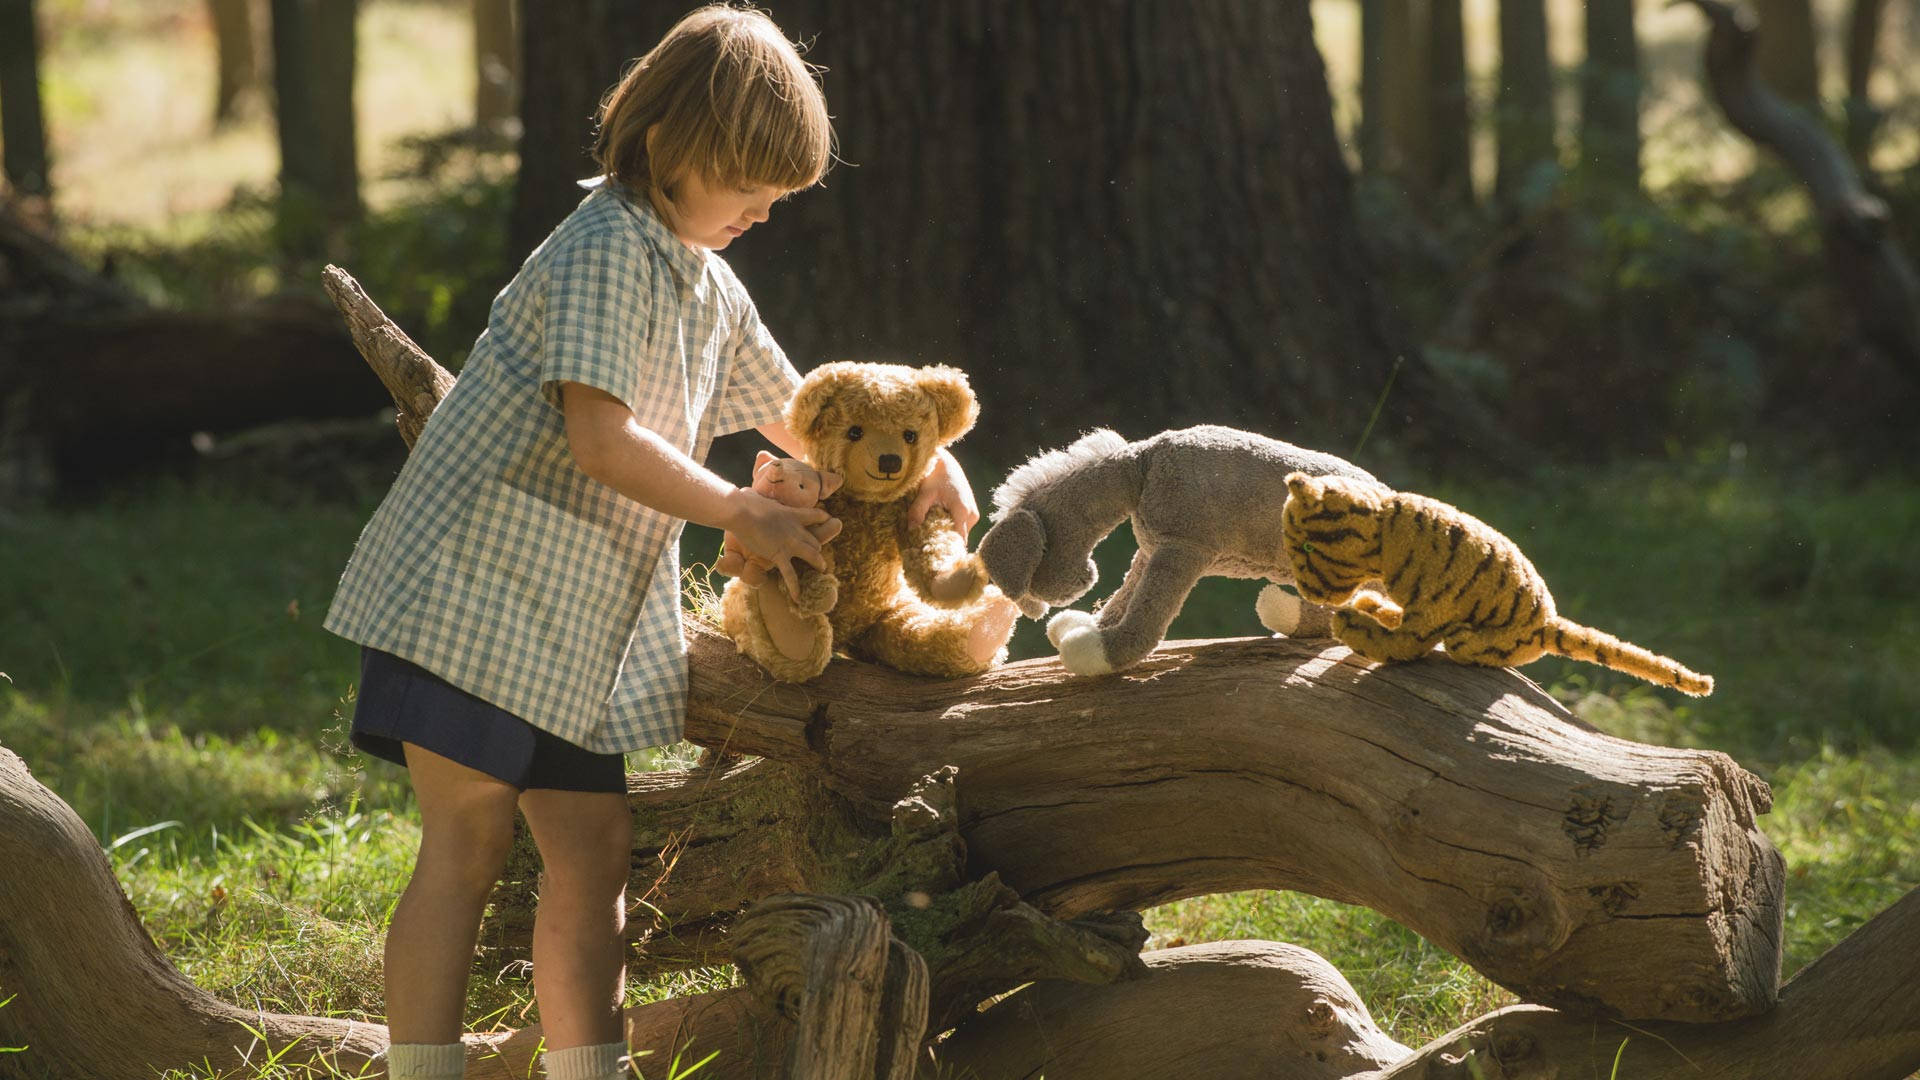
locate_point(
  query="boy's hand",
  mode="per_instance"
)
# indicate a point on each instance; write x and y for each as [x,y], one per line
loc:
[946,486]
[780,533]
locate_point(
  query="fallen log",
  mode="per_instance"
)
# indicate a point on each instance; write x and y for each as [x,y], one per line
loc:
[1852,1014]
[1464,802]
[1226,1010]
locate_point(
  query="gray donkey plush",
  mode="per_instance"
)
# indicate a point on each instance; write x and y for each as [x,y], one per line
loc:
[1203,500]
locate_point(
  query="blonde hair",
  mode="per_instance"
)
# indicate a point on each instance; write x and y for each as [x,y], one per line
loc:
[726,95]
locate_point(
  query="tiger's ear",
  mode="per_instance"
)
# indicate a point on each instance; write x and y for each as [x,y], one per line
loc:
[1302,486]
[952,398]
[816,392]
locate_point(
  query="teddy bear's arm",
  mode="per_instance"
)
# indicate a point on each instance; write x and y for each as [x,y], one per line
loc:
[935,559]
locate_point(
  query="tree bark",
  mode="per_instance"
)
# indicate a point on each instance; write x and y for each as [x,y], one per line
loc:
[23,125]
[1525,122]
[1137,207]
[1193,1015]
[1404,92]
[1610,96]
[1786,57]
[237,56]
[1449,115]
[1868,267]
[496,57]
[1373,86]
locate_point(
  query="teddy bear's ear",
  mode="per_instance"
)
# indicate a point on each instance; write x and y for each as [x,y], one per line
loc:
[816,392]
[952,397]
[830,482]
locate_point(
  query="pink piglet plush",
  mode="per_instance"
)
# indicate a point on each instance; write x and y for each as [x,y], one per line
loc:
[786,480]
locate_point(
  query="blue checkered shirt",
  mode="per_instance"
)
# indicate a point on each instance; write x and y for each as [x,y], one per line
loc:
[495,562]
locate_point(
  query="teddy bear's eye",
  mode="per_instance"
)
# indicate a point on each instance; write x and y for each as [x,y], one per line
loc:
[854,433]
[911,437]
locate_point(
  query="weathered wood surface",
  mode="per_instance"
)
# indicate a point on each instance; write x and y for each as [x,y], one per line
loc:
[1852,1014]
[1256,1010]
[829,964]
[414,380]
[1464,802]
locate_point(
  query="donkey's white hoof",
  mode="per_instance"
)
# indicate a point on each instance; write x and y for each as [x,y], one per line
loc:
[1083,651]
[1278,609]
[1068,619]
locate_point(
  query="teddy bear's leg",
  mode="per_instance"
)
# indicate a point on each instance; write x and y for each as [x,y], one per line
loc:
[763,625]
[1376,642]
[1161,588]
[921,639]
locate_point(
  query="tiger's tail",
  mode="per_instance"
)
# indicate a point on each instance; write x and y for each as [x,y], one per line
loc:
[1571,639]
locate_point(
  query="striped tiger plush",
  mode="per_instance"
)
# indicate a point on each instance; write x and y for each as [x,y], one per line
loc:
[1409,572]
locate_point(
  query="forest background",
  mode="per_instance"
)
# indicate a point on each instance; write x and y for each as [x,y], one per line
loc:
[1612,331]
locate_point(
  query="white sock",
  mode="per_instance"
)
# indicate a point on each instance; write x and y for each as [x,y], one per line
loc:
[422,1061]
[608,1061]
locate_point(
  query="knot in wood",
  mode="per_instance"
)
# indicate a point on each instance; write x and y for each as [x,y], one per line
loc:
[788,947]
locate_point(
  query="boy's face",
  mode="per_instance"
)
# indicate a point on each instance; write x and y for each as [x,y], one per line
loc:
[711,216]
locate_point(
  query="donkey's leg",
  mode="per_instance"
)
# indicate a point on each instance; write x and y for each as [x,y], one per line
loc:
[1162,586]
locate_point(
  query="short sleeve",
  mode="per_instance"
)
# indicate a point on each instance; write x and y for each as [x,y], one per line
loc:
[599,297]
[760,379]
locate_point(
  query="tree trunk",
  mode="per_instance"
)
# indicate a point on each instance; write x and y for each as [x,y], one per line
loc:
[1868,267]
[1787,61]
[313,74]
[23,126]
[1449,116]
[238,59]
[1863,41]
[1373,86]
[1404,93]
[1525,122]
[1610,96]
[1139,208]
[496,56]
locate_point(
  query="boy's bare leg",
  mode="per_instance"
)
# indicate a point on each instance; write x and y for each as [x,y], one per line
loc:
[466,829]
[579,960]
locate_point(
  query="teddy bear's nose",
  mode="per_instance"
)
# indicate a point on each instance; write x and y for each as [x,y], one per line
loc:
[889,463]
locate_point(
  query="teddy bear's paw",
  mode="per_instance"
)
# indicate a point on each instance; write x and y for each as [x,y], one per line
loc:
[1084,651]
[1059,625]
[818,594]
[1279,610]
[960,584]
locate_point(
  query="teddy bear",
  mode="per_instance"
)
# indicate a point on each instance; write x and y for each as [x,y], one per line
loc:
[787,481]
[907,596]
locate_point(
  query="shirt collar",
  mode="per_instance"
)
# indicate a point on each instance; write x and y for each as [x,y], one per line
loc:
[688,264]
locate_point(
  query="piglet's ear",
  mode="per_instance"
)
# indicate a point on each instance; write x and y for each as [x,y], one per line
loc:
[952,397]
[816,392]
[830,482]
[761,460]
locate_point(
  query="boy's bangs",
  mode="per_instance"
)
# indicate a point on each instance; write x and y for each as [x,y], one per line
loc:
[782,151]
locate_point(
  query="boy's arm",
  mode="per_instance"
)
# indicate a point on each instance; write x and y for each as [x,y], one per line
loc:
[946,486]
[613,447]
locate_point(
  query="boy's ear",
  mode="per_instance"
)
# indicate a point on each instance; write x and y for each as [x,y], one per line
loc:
[816,392]
[830,482]
[952,398]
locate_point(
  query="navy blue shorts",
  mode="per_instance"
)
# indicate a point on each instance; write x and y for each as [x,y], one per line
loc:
[401,702]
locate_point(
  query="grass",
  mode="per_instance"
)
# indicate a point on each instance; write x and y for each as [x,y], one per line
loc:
[167,676]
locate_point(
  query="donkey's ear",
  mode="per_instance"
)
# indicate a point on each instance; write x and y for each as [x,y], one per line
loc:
[952,398]
[1011,552]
